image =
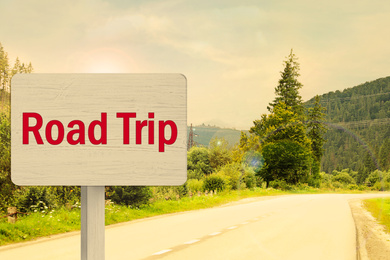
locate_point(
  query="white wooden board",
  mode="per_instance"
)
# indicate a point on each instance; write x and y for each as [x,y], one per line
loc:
[86,97]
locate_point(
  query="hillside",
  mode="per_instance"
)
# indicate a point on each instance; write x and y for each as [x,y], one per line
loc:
[359,123]
[204,133]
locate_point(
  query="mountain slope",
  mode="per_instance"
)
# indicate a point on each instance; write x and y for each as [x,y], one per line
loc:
[358,120]
[203,134]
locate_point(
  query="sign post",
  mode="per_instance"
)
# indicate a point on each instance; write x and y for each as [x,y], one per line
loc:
[97,130]
[92,223]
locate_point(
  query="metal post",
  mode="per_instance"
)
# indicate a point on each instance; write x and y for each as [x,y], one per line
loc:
[92,223]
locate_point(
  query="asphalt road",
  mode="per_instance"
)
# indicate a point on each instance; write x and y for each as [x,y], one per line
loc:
[286,227]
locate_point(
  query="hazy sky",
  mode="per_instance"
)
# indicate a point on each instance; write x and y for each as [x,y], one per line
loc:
[230,51]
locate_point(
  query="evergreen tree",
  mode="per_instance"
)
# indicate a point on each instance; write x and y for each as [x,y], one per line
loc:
[17,67]
[316,128]
[288,89]
[367,168]
[384,155]
[4,68]
[284,145]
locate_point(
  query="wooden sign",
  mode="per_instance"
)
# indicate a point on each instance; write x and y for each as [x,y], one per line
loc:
[98,129]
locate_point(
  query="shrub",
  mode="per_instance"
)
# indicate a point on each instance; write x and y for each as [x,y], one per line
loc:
[337,185]
[386,176]
[194,185]
[133,196]
[65,194]
[34,198]
[382,186]
[195,174]
[7,187]
[214,182]
[234,173]
[198,160]
[343,178]
[280,184]
[374,177]
[249,178]
[352,187]
[169,192]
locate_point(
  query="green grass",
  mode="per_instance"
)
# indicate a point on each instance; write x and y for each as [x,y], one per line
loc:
[380,209]
[39,225]
[62,220]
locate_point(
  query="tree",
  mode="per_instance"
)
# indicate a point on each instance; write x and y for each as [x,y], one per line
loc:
[284,146]
[7,187]
[4,69]
[282,124]
[316,129]
[198,162]
[286,160]
[384,155]
[287,91]
[366,168]
[219,153]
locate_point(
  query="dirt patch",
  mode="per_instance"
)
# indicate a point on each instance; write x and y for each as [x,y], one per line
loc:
[372,241]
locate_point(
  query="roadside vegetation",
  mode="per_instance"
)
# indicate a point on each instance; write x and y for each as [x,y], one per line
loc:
[380,209]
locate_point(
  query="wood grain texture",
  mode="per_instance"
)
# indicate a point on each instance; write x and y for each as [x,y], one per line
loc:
[92,223]
[67,97]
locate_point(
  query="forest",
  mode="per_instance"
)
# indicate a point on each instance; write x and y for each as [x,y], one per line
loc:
[358,135]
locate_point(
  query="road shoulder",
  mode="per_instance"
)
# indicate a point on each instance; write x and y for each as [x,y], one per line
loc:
[372,241]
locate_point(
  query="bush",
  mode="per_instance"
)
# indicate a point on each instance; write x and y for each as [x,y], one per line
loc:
[374,177]
[65,194]
[337,185]
[214,182]
[169,192]
[194,185]
[343,178]
[198,160]
[386,176]
[133,196]
[352,187]
[249,178]
[280,185]
[195,174]
[34,199]
[7,187]
[234,173]
[382,186]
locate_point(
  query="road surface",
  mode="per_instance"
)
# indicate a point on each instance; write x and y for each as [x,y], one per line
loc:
[287,227]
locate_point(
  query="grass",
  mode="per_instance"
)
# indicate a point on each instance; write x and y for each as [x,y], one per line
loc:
[380,209]
[61,220]
[39,225]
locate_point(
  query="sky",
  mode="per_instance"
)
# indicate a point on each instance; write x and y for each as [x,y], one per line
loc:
[231,52]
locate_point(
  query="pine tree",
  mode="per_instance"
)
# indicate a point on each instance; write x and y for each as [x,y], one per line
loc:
[17,67]
[4,69]
[316,128]
[288,89]
[284,146]
[384,155]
